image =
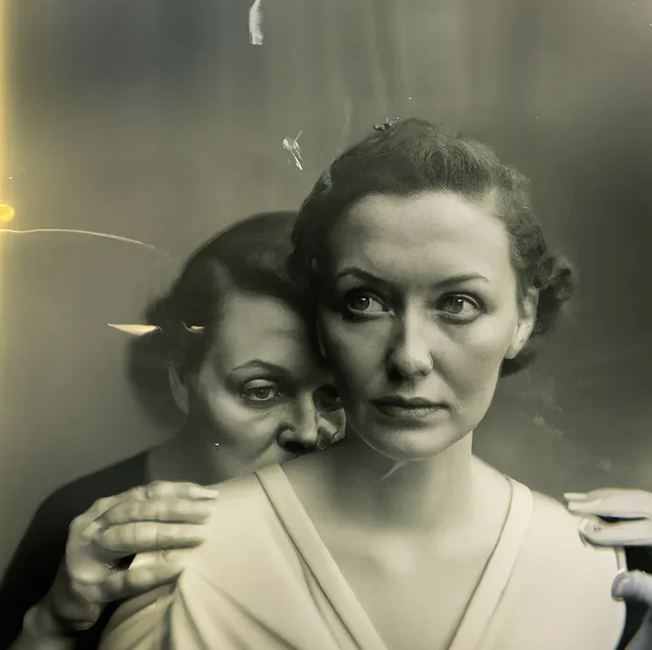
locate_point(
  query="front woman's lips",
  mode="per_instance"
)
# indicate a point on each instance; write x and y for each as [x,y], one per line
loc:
[417,410]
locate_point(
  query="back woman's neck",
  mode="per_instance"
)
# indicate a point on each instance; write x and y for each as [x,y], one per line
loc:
[183,458]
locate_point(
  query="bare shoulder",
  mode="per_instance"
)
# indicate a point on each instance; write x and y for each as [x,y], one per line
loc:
[230,561]
[561,586]
[554,533]
[240,510]
[240,513]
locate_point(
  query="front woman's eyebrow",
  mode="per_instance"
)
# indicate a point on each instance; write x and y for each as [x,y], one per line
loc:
[360,274]
[461,279]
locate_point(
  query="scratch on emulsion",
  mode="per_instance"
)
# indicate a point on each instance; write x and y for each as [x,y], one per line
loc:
[292,145]
[141,330]
[255,24]
[91,233]
[346,129]
[394,469]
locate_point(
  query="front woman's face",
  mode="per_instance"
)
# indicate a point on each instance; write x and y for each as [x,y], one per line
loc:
[420,311]
[259,394]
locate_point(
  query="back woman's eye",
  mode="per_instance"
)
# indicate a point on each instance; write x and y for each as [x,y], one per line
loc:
[327,399]
[459,307]
[361,303]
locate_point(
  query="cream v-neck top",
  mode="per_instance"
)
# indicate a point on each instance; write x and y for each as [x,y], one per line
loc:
[266,581]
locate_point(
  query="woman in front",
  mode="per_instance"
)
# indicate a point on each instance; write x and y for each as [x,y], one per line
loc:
[428,278]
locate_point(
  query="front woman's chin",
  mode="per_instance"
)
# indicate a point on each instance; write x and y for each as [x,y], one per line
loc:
[410,445]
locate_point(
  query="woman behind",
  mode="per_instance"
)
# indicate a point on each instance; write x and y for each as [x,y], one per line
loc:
[236,352]
[429,278]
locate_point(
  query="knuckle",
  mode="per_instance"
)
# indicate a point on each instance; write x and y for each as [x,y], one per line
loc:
[131,510]
[166,535]
[76,524]
[155,489]
[158,510]
[118,538]
[136,580]
[110,538]
[641,586]
[147,533]
[103,503]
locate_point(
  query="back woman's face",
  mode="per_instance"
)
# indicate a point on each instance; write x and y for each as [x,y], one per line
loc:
[420,312]
[259,392]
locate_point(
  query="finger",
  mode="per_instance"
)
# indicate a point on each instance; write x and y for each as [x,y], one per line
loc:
[633,586]
[135,581]
[173,556]
[127,539]
[622,533]
[614,503]
[163,510]
[589,496]
[169,489]
[81,522]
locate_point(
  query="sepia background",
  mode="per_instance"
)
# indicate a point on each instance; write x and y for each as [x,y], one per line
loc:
[159,121]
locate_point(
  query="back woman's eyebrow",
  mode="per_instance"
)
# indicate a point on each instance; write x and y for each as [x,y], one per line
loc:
[261,365]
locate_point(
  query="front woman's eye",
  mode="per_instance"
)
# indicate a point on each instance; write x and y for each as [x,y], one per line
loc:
[260,391]
[363,304]
[459,307]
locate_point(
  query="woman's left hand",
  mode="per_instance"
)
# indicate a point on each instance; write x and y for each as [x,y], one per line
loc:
[632,510]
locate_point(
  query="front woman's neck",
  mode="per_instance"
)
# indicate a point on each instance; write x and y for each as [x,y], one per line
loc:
[407,494]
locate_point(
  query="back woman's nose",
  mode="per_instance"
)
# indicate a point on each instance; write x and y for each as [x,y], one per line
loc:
[301,433]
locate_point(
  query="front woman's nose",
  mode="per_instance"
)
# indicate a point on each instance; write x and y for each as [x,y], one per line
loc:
[410,354]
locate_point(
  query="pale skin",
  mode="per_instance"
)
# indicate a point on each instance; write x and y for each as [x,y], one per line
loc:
[422,303]
[261,396]
[411,339]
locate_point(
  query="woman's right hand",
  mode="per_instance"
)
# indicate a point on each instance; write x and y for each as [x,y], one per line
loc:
[159,517]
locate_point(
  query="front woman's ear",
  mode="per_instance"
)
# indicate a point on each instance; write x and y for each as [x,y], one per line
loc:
[526,323]
[178,388]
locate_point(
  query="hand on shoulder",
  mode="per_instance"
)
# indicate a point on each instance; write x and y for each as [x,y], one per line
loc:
[101,542]
[559,592]
[618,518]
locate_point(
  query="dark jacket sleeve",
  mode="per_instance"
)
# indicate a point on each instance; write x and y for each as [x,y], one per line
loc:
[32,569]
[34,564]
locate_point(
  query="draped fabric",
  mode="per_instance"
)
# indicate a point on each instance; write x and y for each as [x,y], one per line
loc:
[265,579]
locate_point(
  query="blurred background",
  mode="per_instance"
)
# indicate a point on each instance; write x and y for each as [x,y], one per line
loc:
[159,121]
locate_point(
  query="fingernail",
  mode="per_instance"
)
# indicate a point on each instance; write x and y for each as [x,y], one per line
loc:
[582,505]
[203,493]
[574,496]
[618,585]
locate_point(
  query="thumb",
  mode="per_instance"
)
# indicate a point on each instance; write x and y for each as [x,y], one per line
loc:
[632,585]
